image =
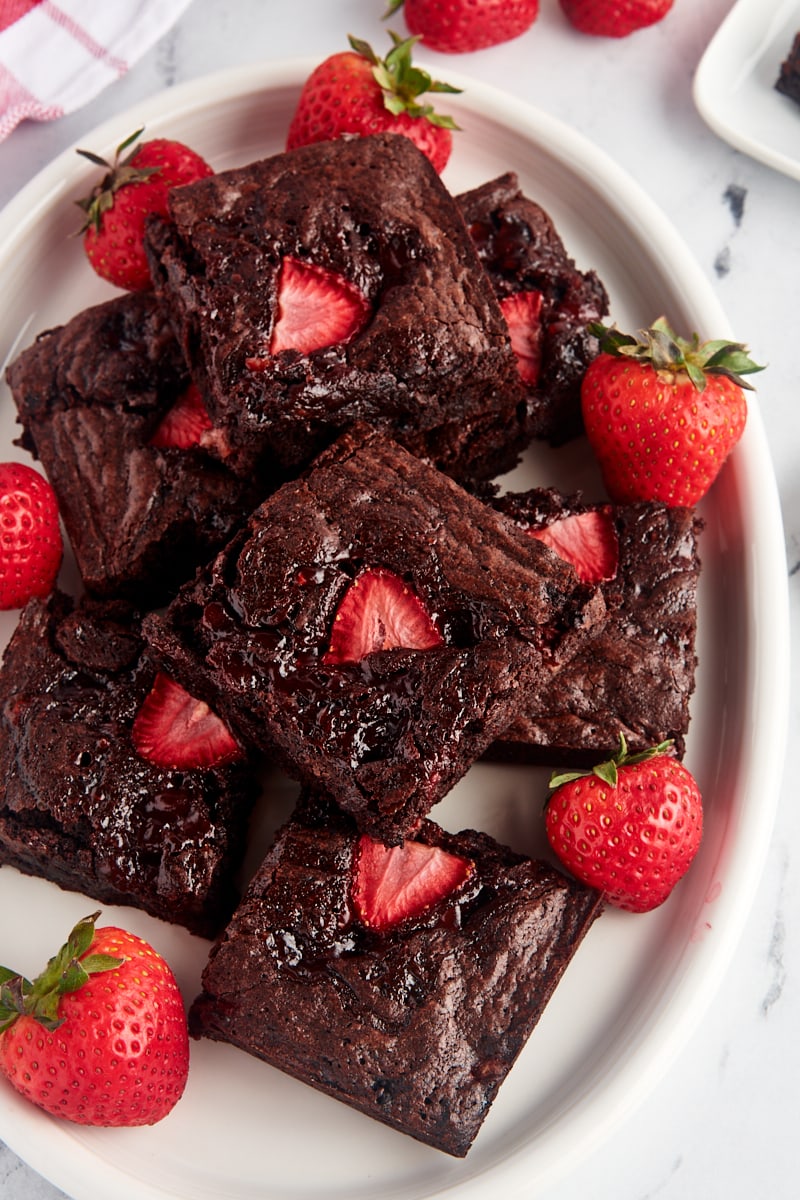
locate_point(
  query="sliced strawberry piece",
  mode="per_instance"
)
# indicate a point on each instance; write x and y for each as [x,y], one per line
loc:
[379,611]
[394,883]
[183,425]
[316,308]
[586,540]
[173,729]
[522,312]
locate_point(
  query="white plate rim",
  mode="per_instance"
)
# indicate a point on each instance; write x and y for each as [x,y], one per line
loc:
[727,63]
[592,1121]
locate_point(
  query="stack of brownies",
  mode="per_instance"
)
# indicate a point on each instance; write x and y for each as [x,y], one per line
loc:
[303,542]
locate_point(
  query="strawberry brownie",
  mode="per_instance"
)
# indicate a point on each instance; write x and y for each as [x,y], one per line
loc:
[403,981]
[81,805]
[635,673]
[546,300]
[105,403]
[374,627]
[332,283]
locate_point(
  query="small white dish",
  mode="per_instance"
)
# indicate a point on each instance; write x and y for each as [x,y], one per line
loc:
[734,85]
[639,985]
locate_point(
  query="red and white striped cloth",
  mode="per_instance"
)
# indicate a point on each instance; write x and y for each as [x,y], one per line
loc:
[55,55]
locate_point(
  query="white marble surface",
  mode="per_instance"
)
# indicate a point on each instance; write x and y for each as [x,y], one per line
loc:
[723,1122]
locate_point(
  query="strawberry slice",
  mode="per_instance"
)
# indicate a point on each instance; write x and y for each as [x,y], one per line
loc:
[379,611]
[316,308]
[586,540]
[173,729]
[183,425]
[394,883]
[522,312]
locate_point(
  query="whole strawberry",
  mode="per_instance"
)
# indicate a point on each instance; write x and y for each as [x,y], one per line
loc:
[461,26]
[630,827]
[614,18]
[356,92]
[31,547]
[100,1037]
[116,210]
[662,414]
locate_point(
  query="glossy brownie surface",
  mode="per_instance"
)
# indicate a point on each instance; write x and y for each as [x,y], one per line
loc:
[90,395]
[433,366]
[634,673]
[521,250]
[388,736]
[417,1026]
[80,806]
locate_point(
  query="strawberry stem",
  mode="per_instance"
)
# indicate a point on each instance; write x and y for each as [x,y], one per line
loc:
[402,83]
[665,351]
[608,770]
[119,173]
[67,971]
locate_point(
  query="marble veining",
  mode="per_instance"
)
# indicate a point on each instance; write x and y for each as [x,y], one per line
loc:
[722,1122]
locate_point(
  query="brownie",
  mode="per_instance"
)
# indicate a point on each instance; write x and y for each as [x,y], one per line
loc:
[635,673]
[80,807]
[522,251]
[432,367]
[90,396]
[388,735]
[788,81]
[418,1025]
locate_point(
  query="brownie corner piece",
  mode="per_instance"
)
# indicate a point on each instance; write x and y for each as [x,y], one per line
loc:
[416,1025]
[80,806]
[91,397]
[432,365]
[634,673]
[373,541]
[525,258]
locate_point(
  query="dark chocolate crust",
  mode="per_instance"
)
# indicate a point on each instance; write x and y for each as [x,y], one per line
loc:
[388,736]
[80,807]
[788,81]
[416,1027]
[90,395]
[521,250]
[635,673]
[433,367]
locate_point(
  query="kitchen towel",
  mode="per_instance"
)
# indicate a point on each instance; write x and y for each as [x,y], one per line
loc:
[56,56]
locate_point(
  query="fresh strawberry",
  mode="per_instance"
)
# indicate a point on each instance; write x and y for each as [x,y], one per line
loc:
[100,1037]
[630,827]
[173,729]
[522,312]
[31,547]
[396,883]
[614,18]
[588,541]
[461,26]
[379,611]
[316,308]
[133,187]
[183,425]
[357,92]
[662,414]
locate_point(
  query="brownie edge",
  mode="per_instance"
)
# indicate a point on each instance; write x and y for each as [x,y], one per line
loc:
[416,1027]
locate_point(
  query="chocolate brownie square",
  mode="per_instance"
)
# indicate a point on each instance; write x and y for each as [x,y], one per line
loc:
[416,1024]
[524,255]
[80,806]
[634,673]
[370,539]
[432,366]
[91,396]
